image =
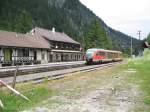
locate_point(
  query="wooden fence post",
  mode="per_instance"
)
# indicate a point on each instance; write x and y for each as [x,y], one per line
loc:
[14,91]
[1,104]
[15,76]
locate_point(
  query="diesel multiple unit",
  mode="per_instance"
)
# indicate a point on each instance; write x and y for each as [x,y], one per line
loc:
[95,55]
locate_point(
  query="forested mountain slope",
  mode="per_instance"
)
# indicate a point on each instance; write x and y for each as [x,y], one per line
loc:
[69,16]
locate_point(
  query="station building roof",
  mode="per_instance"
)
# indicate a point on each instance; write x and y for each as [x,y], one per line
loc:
[146,45]
[105,50]
[54,36]
[13,39]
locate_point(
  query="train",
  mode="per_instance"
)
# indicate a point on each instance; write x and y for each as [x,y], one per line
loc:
[96,55]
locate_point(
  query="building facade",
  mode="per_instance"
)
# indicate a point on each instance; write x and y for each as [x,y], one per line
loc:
[19,49]
[63,48]
[37,47]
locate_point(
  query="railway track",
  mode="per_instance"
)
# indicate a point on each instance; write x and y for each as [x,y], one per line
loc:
[30,69]
[39,77]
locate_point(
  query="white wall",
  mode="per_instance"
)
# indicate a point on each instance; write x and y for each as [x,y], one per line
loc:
[31,53]
[1,54]
[14,53]
[45,58]
[39,56]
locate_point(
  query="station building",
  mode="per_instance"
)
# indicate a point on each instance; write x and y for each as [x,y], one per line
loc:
[62,47]
[37,47]
[146,45]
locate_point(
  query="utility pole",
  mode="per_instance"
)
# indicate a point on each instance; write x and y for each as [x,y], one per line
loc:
[140,50]
[131,47]
[139,34]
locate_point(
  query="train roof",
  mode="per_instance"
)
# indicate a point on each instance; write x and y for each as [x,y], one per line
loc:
[97,49]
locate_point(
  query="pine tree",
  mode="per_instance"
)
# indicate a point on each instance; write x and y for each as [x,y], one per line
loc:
[24,22]
[97,37]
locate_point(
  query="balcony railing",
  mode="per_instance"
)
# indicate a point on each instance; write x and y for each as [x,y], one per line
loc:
[17,59]
[23,59]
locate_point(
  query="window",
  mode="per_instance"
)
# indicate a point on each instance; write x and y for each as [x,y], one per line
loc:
[57,57]
[43,56]
[23,53]
[100,53]
[109,55]
[89,54]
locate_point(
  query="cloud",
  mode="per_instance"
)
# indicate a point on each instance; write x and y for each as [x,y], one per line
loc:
[127,16]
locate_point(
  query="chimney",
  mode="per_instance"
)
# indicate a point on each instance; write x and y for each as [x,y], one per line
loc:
[33,31]
[16,34]
[53,30]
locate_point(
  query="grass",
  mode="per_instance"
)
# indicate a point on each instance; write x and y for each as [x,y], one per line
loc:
[78,85]
[41,92]
[142,76]
[14,103]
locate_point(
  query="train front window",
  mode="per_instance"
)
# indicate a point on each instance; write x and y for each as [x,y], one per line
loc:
[89,54]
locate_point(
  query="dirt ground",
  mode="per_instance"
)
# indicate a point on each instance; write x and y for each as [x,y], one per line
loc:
[105,90]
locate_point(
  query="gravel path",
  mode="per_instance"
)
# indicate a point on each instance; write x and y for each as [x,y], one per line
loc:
[112,95]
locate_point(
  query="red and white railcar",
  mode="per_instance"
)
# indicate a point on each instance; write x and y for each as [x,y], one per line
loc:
[95,55]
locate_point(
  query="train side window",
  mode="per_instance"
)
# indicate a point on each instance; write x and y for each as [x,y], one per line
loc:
[97,54]
[102,53]
[109,55]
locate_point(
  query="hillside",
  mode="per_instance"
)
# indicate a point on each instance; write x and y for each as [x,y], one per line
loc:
[69,16]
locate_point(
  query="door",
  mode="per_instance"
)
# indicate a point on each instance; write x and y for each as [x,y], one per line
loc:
[62,57]
[50,57]
[35,56]
[7,54]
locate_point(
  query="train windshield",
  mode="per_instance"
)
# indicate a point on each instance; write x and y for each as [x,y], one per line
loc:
[89,54]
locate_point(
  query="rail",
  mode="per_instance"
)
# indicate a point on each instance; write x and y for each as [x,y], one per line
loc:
[56,74]
[23,70]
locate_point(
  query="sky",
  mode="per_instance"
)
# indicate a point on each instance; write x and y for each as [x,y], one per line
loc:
[127,16]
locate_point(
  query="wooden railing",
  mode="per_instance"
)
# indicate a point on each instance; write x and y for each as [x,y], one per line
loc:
[17,59]
[22,59]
